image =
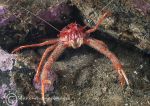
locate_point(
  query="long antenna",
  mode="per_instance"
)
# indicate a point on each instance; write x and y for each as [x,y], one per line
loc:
[107,5]
[41,19]
[101,10]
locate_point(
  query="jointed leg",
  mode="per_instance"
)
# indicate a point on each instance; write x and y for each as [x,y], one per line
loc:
[102,48]
[43,89]
[98,23]
[48,50]
[53,41]
[47,67]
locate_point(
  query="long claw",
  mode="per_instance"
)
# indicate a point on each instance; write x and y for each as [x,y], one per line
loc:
[102,48]
[36,79]
[122,77]
[48,65]
[43,89]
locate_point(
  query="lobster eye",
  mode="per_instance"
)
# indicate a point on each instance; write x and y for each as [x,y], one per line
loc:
[63,17]
[78,25]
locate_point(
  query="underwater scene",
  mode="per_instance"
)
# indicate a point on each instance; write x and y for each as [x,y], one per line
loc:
[74,53]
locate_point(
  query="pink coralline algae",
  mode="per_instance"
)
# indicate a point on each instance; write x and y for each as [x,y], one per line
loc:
[142,6]
[6,60]
[2,10]
[4,18]
[3,89]
[52,76]
[6,96]
[6,21]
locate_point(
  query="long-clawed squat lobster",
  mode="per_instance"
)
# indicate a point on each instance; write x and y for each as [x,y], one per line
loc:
[73,35]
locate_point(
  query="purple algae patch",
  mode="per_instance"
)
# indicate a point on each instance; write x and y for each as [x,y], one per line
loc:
[7,97]
[3,89]
[142,6]
[57,14]
[6,60]
[5,19]
[2,10]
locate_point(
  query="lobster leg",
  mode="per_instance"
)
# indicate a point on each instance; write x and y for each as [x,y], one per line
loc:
[53,41]
[102,48]
[99,22]
[48,65]
[49,49]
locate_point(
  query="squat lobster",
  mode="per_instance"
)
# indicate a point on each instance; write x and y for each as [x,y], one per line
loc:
[73,35]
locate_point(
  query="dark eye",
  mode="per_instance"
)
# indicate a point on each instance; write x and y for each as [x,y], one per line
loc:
[63,17]
[78,25]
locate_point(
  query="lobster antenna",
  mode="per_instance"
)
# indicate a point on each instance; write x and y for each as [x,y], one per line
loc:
[107,5]
[103,8]
[40,19]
